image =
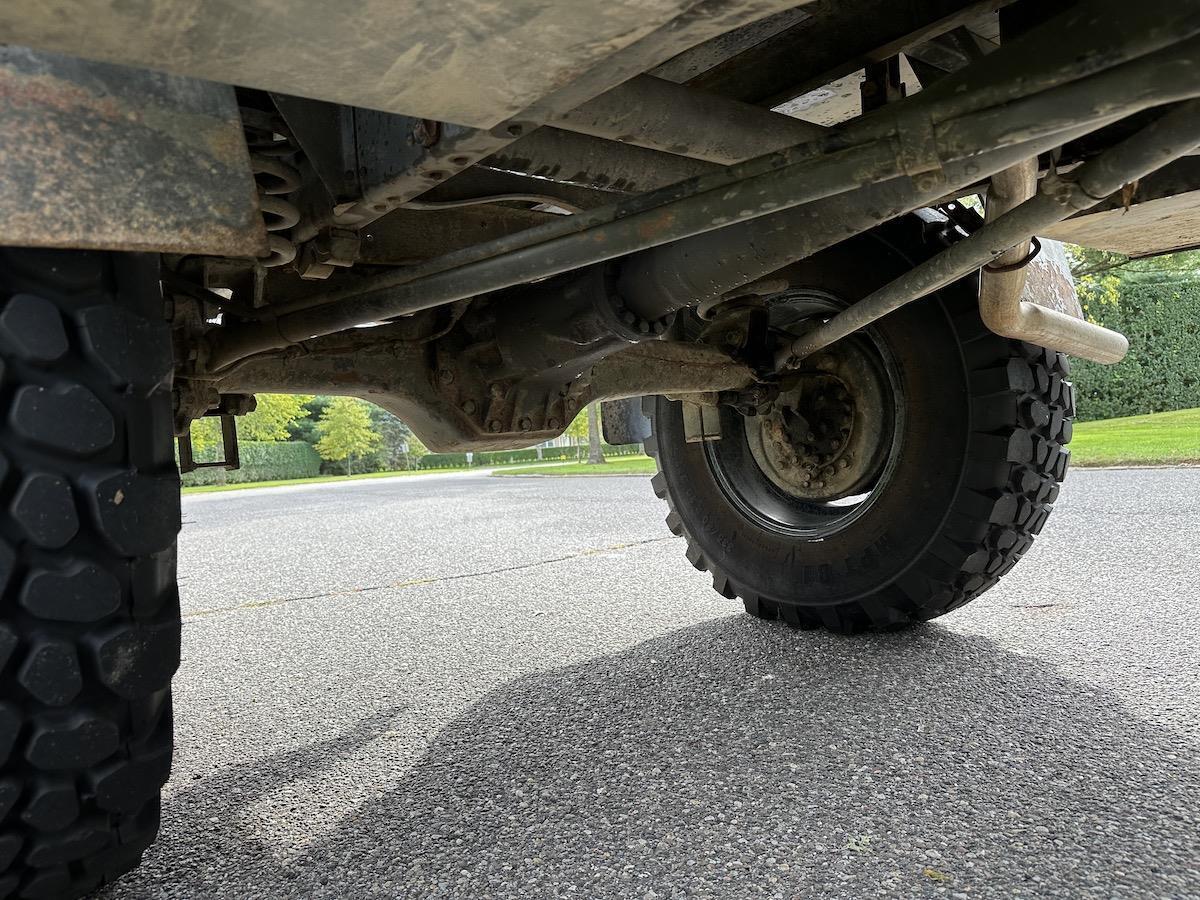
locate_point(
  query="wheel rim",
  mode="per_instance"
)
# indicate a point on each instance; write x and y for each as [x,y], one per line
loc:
[824,452]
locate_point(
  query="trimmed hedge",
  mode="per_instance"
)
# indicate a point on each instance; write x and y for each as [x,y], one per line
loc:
[263,461]
[443,461]
[1161,316]
[508,457]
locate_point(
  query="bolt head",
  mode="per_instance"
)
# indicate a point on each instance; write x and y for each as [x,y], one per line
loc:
[525,424]
[552,423]
[446,376]
[843,463]
[468,407]
[494,425]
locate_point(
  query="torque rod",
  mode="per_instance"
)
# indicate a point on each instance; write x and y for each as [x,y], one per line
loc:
[1170,137]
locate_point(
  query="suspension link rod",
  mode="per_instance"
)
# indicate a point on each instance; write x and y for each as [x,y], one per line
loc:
[1173,135]
[759,187]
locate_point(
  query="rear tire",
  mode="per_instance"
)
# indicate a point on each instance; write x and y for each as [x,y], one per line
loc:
[89,512]
[973,473]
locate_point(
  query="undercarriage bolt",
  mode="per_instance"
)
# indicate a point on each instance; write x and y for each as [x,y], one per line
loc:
[494,425]
[818,483]
[525,424]
[843,463]
[552,423]
[446,376]
[468,407]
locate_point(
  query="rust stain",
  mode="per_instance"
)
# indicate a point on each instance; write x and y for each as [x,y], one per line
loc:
[89,162]
[656,225]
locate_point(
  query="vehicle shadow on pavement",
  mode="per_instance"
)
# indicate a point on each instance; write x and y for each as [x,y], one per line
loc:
[737,759]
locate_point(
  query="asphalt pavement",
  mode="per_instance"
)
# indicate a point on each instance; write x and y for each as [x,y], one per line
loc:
[472,687]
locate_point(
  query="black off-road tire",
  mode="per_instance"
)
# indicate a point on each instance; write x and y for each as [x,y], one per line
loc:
[987,421]
[89,513]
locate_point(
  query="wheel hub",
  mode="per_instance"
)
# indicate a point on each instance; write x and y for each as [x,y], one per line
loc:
[826,435]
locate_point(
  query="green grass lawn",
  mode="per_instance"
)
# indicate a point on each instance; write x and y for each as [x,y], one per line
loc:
[619,465]
[1158,439]
[214,488]
[1161,439]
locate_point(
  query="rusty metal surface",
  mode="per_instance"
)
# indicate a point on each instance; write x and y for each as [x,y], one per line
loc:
[474,62]
[1161,225]
[661,115]
[578,159]
[1048,281]
[423,165]
[100,156]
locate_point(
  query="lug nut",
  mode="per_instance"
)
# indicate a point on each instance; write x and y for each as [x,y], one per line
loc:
[843,463]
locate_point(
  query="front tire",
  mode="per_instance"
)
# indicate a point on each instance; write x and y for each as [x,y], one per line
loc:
[89,512]
[974,440]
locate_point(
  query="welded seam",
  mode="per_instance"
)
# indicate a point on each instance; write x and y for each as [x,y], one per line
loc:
[417,582]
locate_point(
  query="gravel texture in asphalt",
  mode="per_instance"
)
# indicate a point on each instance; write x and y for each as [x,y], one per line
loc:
[472,687]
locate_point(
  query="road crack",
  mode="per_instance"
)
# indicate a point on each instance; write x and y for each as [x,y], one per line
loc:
[416,582]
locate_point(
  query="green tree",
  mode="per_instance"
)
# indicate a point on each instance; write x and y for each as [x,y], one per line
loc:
[399,448]
[595,450]
[578,429]
[345,428]
[272,420]
[1087,262]
[305,429]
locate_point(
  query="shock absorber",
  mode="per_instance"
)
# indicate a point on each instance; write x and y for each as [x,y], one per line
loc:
[276,178]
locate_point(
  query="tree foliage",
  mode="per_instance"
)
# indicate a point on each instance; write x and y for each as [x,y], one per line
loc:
[1087,263]
[398,447]
[271,421]
[1159,310]
[595,451]
[578,428]
[345,429]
